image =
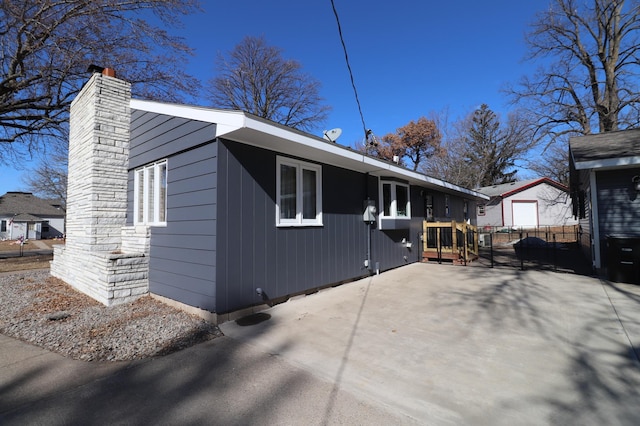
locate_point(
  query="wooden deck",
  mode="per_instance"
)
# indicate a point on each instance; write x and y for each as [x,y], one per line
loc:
[449,241]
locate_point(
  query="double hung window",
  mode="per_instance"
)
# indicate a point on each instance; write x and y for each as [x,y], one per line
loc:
[150,194]
[395,200]
[299,193]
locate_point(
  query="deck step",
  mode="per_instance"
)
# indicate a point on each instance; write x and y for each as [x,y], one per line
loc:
[457,259]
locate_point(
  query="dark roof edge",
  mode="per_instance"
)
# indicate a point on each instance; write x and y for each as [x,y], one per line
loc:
[535,183]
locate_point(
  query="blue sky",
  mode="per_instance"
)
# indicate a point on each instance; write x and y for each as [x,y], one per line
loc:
[409,58]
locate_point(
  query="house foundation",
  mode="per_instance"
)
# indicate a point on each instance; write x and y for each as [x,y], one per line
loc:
[102,257]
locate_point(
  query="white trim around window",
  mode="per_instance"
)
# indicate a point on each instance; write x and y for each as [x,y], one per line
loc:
[298,193]
[150,194]
[395,200]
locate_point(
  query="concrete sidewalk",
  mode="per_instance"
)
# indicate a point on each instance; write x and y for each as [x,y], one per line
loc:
[220,382]
[422,344]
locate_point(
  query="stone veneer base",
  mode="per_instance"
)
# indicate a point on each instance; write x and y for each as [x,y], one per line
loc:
[110,278]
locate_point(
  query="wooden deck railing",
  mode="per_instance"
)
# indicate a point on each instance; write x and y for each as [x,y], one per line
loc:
[457,241]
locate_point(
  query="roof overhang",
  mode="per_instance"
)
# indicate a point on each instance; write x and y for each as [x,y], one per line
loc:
[245,128]
[608,163]
[536,182]
[26,217]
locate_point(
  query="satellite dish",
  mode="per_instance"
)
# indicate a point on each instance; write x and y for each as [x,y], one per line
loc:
[332,135]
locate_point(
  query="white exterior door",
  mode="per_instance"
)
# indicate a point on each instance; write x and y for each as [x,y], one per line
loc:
[525,214]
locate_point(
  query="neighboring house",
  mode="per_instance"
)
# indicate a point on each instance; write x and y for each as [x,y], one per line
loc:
[220,210]
[526,204]
[23,215]
[605,186]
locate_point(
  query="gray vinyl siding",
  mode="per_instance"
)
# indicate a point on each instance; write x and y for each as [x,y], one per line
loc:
[618,205]
[157,136]
[584,230]
[221,242]
[584,236]
[182,263]
[182,266]
[253,252]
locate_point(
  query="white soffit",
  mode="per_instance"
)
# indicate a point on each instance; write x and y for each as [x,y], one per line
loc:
[226,121]
[244,128]
[608,163]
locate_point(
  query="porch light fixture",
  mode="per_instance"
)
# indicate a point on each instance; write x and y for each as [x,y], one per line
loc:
[636,182]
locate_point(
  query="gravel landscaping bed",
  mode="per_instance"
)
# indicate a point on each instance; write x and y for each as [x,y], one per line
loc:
[44,311]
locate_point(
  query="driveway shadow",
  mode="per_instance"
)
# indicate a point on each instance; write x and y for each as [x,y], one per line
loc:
[576,336]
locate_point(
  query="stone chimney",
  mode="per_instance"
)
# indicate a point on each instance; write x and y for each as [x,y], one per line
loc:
[98,159]
[91,259]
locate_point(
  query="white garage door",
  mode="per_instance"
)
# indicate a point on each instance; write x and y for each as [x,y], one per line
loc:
[525,214]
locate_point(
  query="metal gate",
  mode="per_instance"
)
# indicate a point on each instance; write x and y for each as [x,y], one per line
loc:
[552,248]
[542,248]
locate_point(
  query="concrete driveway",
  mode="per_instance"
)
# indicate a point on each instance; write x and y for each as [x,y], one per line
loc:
[424,344]
[443,345]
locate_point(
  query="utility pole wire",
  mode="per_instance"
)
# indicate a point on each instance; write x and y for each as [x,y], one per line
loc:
[353,84]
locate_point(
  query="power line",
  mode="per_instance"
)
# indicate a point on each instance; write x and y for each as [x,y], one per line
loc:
[353,84]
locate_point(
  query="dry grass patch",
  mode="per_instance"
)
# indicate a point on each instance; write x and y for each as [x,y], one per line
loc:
[55,295]
[25,263]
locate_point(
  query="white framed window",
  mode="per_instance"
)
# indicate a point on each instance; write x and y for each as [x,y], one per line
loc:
[394,197]
[150,194]
[481,210]
[299,193]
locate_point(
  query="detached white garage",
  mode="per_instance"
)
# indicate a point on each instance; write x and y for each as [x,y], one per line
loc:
[526,204]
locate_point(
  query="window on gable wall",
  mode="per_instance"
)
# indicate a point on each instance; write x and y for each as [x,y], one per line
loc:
[481,209]
[299,196]
[150,194]
[395,200]
[447,211]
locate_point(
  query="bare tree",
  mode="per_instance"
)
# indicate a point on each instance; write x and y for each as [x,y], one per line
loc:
[481,151]
[553,163]
[49,178]
[588,80]
[449,165]
[254,77]
[47,45]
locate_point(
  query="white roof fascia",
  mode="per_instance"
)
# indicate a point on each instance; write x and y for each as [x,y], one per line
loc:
[608,163]
[300,139]
[229,121]
[226,121]
[378,165]
[385,166]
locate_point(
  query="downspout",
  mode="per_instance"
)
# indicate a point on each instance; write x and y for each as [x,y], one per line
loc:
[369,248]
[366,190]
[595,222]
